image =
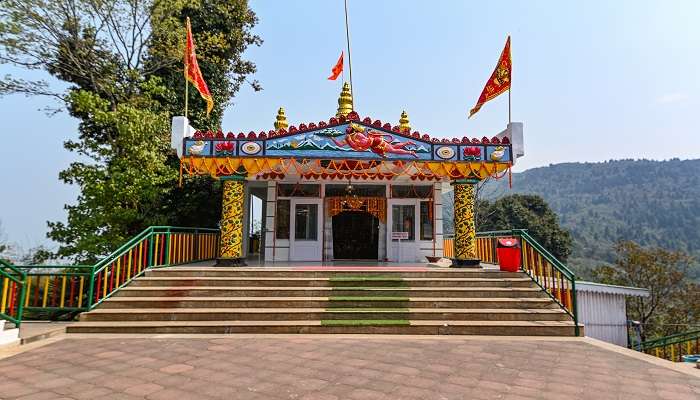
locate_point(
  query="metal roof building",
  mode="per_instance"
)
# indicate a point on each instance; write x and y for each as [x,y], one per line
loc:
[603,312]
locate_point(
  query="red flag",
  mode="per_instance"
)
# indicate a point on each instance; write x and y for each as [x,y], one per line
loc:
[499,81]
[336,71]
[192,72]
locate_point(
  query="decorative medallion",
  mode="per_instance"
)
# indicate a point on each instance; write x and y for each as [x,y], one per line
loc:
[445,152]
[250,148]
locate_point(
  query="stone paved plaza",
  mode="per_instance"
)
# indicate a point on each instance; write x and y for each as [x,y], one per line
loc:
[309,367]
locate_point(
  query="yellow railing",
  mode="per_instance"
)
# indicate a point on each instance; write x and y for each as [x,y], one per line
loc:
[81,287]
[544,269]
[673,347]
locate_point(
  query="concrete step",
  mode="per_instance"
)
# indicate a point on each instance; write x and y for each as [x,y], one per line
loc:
[256,291]
[327,272]
[311,314]
[369,281]
[324,302]
[420,327]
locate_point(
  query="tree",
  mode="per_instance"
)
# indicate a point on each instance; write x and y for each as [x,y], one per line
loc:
[123,62]
[669,308]
[526,212]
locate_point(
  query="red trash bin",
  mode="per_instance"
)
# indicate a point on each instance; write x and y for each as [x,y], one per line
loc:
[508,250]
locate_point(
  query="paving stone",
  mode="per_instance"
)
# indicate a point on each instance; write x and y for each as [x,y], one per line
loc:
[323,368]
[176,368]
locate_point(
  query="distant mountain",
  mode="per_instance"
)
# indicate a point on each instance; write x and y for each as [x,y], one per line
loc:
[654,203]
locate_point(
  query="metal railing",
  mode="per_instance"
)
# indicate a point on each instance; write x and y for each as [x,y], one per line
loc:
[673,347]
[12,290]
[550,274]
[72,288]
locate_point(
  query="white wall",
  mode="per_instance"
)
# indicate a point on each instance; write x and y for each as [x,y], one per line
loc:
[278,250]
[604,316]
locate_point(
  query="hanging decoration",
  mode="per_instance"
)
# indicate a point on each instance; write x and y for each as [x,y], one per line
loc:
[373,205]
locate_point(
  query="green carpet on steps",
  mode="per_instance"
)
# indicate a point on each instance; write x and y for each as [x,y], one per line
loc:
[364,322]
[339,304]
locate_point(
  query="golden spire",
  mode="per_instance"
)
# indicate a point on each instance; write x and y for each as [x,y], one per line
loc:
[281,120]
[403,122]
[344,101]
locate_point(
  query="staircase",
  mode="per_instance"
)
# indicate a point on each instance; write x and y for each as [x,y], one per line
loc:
[183,300]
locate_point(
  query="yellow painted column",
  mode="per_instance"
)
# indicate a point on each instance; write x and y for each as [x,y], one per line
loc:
[232,204]
[465,225]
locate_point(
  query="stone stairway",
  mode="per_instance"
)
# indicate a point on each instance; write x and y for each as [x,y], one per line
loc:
[270,300]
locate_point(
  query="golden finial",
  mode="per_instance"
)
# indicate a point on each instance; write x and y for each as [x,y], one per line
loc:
[403,122]
[344,101]
[281,120]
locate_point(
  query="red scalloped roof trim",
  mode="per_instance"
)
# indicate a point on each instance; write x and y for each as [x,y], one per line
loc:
[352,116]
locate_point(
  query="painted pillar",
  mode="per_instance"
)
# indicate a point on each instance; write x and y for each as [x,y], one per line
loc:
[465,226]
[232,204]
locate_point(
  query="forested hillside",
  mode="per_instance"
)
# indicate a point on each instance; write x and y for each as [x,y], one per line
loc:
[654,203]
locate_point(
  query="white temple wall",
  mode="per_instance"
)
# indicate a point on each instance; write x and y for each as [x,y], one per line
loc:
[278,250]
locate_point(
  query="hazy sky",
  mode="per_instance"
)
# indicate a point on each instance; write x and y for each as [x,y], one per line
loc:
[592,81]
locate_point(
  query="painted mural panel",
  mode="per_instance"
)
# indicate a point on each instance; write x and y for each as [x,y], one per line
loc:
[198,148]
[498,153]
[348,141]
[224,148]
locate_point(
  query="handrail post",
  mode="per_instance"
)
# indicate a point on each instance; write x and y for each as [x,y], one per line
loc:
[574,308]
[91,288]
[195,244]
[150,249]
[166,254]
[22,294]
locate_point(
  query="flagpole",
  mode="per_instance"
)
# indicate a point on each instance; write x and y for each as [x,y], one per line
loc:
[509,104]
[347,37]
[188,28]
[511,79]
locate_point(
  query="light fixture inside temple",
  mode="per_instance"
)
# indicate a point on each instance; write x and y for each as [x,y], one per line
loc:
[351,200]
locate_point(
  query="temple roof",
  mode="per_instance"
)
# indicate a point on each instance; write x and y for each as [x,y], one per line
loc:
[336,121]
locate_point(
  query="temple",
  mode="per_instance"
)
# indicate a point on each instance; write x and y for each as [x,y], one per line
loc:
[350,188]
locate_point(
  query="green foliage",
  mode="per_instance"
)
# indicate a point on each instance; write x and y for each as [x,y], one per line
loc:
[653,203]
[674,302]
[517,212]
[123,63]
[221,31]
[527,212]
[119,196]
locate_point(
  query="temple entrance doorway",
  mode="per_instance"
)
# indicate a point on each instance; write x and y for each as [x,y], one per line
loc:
[355,236]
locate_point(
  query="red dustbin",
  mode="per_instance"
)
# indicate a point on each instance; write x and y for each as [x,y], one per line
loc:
[508,254]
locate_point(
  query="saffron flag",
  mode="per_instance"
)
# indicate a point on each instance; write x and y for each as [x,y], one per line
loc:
[337,69]
[192,72]
[499,81]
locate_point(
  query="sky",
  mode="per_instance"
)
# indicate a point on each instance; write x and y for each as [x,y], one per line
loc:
[592,81]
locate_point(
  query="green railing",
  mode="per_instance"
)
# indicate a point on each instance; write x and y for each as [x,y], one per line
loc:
[60,289]
[550,274]
[672,347]
[12,290]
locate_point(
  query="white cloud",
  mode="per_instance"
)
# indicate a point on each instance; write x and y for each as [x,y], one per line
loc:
[669,98]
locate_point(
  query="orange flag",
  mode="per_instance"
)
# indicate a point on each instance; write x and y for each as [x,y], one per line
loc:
[192,72]
[337,69]
[499,81]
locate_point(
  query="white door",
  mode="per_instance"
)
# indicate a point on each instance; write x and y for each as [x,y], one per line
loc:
[403,217]
[305,240]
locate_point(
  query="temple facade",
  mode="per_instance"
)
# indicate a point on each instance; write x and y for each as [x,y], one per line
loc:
[349,188]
